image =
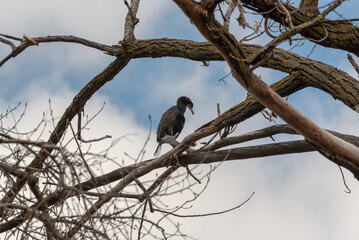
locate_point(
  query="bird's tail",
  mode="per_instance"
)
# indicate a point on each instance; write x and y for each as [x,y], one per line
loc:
[158,150]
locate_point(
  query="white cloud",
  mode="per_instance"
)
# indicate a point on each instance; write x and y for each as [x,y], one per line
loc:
[89,19]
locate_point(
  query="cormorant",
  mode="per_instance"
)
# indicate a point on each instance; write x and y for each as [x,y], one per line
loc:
[172,121]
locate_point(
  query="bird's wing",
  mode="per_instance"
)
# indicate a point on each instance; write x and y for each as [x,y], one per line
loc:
[167,118]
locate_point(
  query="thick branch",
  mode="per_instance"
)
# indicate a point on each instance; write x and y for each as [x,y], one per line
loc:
[342,35]
[204,20]
[238,153]
[335,82]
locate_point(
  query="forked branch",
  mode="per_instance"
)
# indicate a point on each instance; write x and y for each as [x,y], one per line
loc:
[227,45]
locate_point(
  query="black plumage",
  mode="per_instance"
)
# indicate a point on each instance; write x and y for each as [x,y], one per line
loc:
[172,121]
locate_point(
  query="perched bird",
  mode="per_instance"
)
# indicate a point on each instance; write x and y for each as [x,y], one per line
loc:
[172,121]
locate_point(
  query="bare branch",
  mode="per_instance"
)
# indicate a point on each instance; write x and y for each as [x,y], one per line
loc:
[79,128]
[288,18]
[137,170]
[354,64]
[286,35]
[332,7]
[345,183]
[131,20]
[330,31]
[227,16]
[207,214]
[12,45]
[79,101]
[241,20]
[27,42]
[235,57]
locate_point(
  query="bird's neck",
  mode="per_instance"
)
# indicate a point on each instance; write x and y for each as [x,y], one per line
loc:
[181,107]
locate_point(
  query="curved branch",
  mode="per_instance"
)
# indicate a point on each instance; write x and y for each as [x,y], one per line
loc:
[268,132]
[78,103]
[239,153]
[331,80]
[28,42]
[341,35]
[236,59]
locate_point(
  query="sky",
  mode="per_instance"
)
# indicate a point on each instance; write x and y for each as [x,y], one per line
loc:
[296,196]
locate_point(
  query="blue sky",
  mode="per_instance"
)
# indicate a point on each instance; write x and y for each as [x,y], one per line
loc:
[297,197]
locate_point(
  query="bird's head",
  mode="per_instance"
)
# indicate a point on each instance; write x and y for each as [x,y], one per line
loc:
[187,102]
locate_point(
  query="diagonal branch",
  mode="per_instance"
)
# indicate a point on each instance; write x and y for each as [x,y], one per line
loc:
[233,54]
[342,35]
[317,74]
[284,36]
[353,63]
[239,153]
[25,43]
[78,103]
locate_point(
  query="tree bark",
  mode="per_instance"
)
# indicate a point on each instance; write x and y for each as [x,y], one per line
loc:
[202,16]
[342,35]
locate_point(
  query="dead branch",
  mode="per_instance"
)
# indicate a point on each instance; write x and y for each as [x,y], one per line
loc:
[79,101]
[203,18]
[353,63]
[28,42]
[335,37]
[206,214]
[227,16]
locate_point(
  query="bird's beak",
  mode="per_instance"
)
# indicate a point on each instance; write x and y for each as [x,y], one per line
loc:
[190,108]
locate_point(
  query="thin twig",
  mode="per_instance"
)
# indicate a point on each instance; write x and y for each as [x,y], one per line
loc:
[81,154]
[288,18]
[142,218]
[11,37]
[354,64]
[207,214]
[332,7]
[311,51]
[11,44]
[286,35]
[191,174]
[79,128]
[345,183]
[227,16]
[25,43]
[241,20]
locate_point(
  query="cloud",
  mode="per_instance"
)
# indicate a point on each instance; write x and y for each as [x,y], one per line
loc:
[89,19]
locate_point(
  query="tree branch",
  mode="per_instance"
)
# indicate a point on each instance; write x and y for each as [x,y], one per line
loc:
[309,7]
[235,57]
[72,39]
[353,63]
[317,74]
[204,157]
[78,103]
[131,20]
[342,35]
